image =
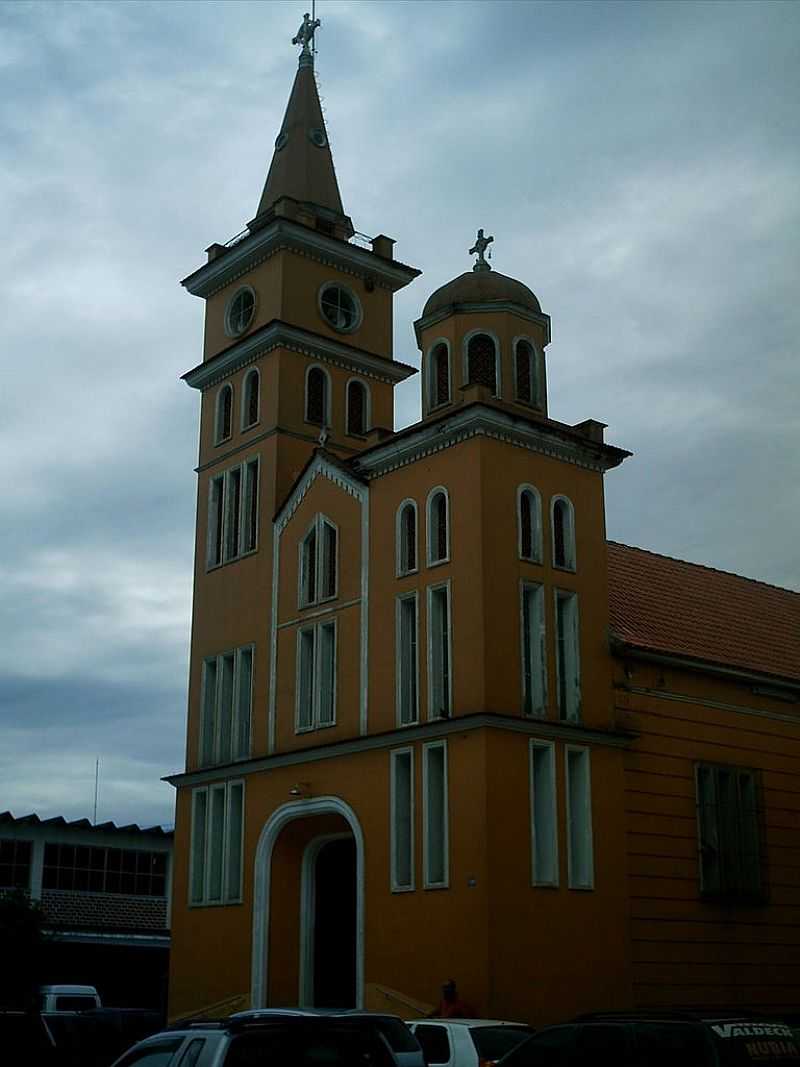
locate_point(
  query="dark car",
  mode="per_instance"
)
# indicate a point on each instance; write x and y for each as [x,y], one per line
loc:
[660,1040]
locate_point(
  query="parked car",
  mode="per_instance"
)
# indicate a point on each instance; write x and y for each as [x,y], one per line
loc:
[293,1038]
[656,1039]
[467,1042]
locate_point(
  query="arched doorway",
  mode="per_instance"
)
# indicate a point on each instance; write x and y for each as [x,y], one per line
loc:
[328,923]
[330,885]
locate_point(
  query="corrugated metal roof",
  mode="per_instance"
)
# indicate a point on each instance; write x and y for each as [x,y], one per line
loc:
[8,819]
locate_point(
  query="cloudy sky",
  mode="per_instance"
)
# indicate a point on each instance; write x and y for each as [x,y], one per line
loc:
[638,165]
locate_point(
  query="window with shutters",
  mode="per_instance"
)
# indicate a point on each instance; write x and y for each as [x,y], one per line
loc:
[317,397]
[407,659]
[440,695]
[226,703]
[223,416]
[482,362]
[318,563]
[406,536]
[529,524]
[402,820]
[526,374]
[728,831]
[438,526]
[251,399]
[357,408]
[568,656]
[215,854]
[563,527]
[232,513]
[439,375]
[534,651]
[315,697]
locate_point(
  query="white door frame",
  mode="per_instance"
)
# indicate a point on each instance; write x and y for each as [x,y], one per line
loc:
[308,914]
[281,817]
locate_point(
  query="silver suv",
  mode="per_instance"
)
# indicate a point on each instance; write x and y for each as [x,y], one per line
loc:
[293,1039]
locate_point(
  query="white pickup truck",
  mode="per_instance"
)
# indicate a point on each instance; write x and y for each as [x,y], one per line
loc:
[61,999]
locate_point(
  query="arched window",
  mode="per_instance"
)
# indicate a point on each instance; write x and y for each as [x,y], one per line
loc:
[529,523]
[356,408]
[407,537]
[251,400]
[563,523]
[439,375]
[317,396]
[438,527]
[318,562]
[482,362]
[525,373]
[223,416]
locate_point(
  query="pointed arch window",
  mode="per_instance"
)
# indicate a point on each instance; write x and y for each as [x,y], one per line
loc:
[439,375]
[251,401]
[318,562]
[438,527]
[563,526]
[407,538]
[529,524]
[357,408]
[223,415]
[482,362]
[317,396]
[526,379]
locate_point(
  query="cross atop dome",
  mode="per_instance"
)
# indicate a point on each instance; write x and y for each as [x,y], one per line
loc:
[480,246]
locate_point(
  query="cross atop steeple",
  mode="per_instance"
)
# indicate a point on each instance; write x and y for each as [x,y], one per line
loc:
[305,36]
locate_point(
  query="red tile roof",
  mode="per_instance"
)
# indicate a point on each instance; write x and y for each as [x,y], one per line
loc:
[666,605]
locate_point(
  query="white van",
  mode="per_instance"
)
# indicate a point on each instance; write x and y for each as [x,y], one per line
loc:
[60,999]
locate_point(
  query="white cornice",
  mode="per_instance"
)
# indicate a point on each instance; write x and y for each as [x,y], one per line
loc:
[283,234]
[281,335]
[318,466]
[483,421]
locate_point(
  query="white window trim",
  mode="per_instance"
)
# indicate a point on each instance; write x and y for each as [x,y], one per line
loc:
[367,407]
[398,536]
[192,851]
[588,813]
[216,716]
[497,359]
[229,331]
[536,531]
[431,562]
[218,438]
[430,376]
[317,524]
[338,284]
[523,585]
[552,844]
[315,686]
[225,475]
[237,689]
[225,899]
[398,646]
[412,885]
[570,550]
[428,884]
[429,648]
[535,403]
[563,713]
[328,395]
[252,373]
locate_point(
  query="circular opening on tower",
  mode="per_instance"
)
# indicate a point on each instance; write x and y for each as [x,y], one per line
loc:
[240,310]
[340,307]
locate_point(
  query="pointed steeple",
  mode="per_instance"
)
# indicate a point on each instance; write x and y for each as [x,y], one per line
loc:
[302,165]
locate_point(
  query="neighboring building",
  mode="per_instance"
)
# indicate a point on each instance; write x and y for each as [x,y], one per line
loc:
[105,893]
[438,725]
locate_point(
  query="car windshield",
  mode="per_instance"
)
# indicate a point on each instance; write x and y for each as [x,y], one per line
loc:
[493,1042]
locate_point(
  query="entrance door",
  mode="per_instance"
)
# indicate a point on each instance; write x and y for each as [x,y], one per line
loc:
[335,925]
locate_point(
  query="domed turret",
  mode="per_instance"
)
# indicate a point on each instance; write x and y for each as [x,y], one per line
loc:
[482,337]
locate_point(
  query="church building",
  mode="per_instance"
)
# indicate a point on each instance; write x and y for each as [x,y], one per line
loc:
[439,726]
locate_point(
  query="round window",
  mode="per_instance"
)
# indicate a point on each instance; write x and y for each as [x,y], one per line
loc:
[340,307]
[240,311]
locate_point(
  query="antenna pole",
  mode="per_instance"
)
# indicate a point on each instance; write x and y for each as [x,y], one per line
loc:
[96,783]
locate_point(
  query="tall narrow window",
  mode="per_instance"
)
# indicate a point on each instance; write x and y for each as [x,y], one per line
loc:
[407,538]
[244,702]
[326,675]
[316,396]
[215,842]
[233,509]
[435,821]
[250,403]
[223,415]
[305,679]
[215,856]
[226,707]
[208,727]
[568,656]
[482,362]
[318,562]
[357,408]
[529,520]
[439,375]
[525,373]
[534,652]
[407,661]
[250,516]
[544,820]
[328,568]
[438,527]
[316,676]
[216,497]
[580,860]
[308,564]
[232,514]
[198,850]
[402,816]
[235,828]
[727,818]
[563,516]
[439,681]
